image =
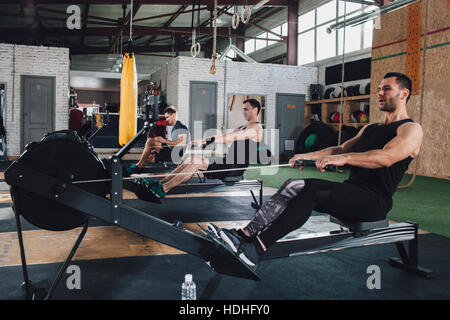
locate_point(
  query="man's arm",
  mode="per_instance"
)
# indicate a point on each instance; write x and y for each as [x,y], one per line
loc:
[406,143]
[346,147]
[253,132]
[181,140]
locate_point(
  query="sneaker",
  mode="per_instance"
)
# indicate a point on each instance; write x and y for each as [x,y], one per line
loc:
[157,188]
[133,168]
[243,248]
[145,193]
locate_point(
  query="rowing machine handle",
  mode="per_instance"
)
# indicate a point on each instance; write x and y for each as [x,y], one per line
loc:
[312,163]
[203,146]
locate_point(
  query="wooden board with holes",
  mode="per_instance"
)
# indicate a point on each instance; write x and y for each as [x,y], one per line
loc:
[413,42]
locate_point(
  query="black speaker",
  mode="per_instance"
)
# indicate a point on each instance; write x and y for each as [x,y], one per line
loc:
[315,91]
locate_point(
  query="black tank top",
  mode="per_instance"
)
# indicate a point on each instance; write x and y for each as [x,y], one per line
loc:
[383,181]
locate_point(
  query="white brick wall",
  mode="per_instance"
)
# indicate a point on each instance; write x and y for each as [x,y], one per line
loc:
[241,78]
[36,61]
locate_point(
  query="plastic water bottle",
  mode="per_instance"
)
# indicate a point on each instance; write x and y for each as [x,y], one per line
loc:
[188,288]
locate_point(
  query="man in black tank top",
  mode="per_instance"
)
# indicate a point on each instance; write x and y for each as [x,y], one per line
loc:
[245,141]
[379,156]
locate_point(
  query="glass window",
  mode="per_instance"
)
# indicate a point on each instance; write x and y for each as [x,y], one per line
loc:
[259,44]
[351,6]
[276,30]
[326,43]
[284,29]
[249,46]
[306,47]
[368,33]
[326,12]
[262,35]
[305,21]
[352,39]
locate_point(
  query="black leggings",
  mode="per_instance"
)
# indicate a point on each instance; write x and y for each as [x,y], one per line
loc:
[291,206]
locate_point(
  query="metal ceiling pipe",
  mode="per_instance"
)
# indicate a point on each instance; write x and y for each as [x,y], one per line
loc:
[370,15]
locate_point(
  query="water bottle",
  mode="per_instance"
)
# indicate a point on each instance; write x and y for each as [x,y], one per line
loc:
[188,289]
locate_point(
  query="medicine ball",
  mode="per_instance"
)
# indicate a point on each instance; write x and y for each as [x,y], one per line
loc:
[359,116]
[309,142]
[334,117]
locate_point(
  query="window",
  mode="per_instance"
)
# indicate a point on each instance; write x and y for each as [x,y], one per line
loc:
[351,7]
[263,40]
[249,46]
[284,29]
[326,12]
[368,34]
[316,44]
[306,21]
[326,43]
[352,39]
[306,47]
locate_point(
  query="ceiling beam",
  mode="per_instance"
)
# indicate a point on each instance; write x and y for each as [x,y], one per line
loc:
[261,28]
[165,15]
[113,31]
[137,49]
[86,18]
[64,20]
[126,22]
[271,3]
[169,22]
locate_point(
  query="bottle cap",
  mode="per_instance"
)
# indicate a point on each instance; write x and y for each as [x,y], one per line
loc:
[188,277]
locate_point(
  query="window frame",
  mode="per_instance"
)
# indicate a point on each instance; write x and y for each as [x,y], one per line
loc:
[336,34]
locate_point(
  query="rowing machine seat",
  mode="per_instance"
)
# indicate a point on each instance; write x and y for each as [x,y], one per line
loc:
[232,179]
[358,226]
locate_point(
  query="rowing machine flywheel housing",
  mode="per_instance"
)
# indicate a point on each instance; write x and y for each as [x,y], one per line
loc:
[68,157]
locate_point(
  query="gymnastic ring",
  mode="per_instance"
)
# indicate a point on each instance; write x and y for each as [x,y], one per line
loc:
[195,49]
[249,13]
[235,20]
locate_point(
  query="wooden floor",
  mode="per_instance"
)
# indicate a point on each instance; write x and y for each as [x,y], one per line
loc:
[44,246]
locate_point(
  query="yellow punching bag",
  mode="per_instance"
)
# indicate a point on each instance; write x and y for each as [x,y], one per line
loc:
[128,100]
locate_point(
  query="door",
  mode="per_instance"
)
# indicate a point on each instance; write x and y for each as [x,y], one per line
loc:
[38,108]
[289,120]
[203,106]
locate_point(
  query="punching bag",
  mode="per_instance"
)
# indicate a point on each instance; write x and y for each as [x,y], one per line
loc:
[128,100]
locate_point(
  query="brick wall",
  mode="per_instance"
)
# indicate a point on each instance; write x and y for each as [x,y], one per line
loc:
[241,78]
[18,60]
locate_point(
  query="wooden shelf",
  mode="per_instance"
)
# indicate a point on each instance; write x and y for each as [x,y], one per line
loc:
[350,124]
[337,100]
[327,106]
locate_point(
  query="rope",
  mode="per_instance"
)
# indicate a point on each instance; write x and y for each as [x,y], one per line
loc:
[341,113]
[183,173]
[131,21]
[422,80]
[213,69]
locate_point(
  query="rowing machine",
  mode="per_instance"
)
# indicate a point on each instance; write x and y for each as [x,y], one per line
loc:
[44,193]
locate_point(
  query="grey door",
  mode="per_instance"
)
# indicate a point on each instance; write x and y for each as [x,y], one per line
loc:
[38,108]
[203,106]
[289,120]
